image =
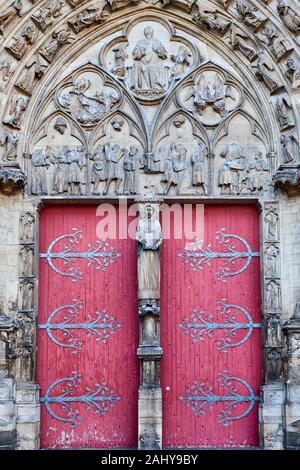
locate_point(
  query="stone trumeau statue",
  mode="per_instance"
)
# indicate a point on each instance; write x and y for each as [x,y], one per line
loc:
[149,238]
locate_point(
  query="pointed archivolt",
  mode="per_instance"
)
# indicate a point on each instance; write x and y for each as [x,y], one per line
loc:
[200,325]
[197,256]
[100,325]
[99,254]
[199,397]
[100,399]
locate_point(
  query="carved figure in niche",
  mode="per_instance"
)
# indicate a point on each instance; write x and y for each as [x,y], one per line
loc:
[27,227]
[288,16]
[148,72]
[272,252]
[46,15]
[27,290]
[211,20]
[273,360]
[239,40]
[40,164]
[232,173]
[99,168]
[210,93]
[26,261]
[293,73]
[149,240]
[271,220]
[9,141]
[265,73]
[59,39]
[273,332]
[283,108]
[272,296]
[288,142]
[59,160]
[60,125]
[279,45]
[257,169]
[34,69]
[179,122]
[76,162]
[182,61]
[116,3]
[88,17]
[17,107]
[155,161]
[131,166]
[175,168]
[120,57]
[25,39]
[117,123]
[5,73]
[10,12]
[198,170]
[251,16]
[113,155]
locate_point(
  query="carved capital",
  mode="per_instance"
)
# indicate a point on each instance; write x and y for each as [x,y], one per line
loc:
[11,179]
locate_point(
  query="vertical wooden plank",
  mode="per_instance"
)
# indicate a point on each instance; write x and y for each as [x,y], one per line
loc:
[114,362]
[185,361]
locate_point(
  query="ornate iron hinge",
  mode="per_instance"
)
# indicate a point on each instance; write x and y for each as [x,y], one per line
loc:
[198,398]
[100,254]
[102,325]
[197,257]
[200,324]
[101,399]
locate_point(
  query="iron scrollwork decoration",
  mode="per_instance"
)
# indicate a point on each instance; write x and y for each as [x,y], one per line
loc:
[197,257]
[101,324]
[198,397]
[200,324]
[100,254]
[100,398]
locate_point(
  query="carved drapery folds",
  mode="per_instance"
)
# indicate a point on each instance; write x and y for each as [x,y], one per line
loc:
[177,112]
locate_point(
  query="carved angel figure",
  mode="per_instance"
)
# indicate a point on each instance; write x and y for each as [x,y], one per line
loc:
[293,73]
[182,61]
[288,16]
[9,141]
[251,16]
[17,107]
[46,15]
[34,69]
[148,55]
[13,9]
[211,20]
[21,43]
[59,39]
[265,72]
[210,93]
[288,143]
[87,17]
[283,109]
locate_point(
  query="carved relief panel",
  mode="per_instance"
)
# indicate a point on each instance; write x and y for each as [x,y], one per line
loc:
[153,111]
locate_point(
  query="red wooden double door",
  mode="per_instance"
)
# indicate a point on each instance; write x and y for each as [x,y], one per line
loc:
[88,332]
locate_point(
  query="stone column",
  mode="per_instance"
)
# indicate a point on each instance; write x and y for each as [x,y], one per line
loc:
[292,376]
[272,390]
[149,239]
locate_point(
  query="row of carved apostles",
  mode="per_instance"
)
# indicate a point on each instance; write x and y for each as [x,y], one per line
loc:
[113,169]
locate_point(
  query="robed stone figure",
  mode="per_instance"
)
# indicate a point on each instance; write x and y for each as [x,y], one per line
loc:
[149,239]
